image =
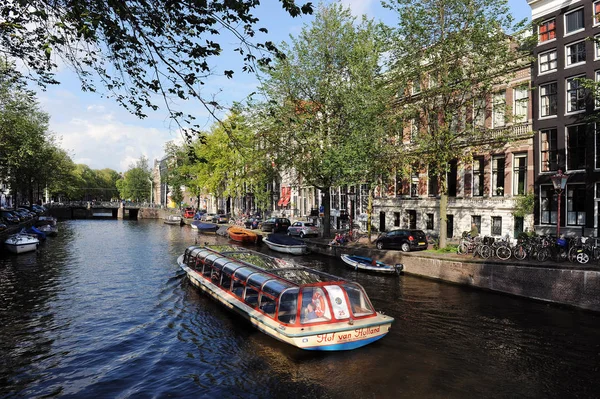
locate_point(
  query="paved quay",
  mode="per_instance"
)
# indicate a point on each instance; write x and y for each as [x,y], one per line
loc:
[561,283]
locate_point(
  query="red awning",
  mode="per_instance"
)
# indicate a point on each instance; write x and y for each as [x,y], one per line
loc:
[286,194]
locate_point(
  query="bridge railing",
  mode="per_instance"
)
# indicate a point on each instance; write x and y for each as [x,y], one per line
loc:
[101,204]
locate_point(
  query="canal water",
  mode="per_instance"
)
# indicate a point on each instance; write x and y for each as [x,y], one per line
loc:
[103,311]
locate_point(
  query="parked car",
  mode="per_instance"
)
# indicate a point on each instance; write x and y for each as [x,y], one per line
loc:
[210,217]
[188,213]
[3,226]
[22,214]
[223,218]
[28,212]
[38,209]
[276,225]
[403,239]
[252,223]
[10,217]
[303,229]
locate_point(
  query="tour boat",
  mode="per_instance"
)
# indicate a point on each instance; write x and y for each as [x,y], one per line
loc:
[20,243]
[303,307]
[368,264]
[174,220]
[242,235]
[203,227]
[286,244]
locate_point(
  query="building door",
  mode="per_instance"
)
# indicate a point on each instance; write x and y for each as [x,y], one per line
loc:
[412,219]
[518,226]
[381,221]
[449,226]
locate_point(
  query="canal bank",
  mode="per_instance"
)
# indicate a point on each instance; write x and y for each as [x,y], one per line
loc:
[566,284]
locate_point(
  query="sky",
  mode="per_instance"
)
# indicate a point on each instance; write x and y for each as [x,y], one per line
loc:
[96,131]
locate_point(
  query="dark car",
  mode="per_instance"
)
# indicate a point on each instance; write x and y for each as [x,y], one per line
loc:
[276,225]
[38,209]
[404,240]
[252,223]
[9,217]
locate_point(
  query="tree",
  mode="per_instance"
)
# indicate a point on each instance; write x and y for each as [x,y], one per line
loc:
[137,50]
[135,184]
[322,119]
[447,59]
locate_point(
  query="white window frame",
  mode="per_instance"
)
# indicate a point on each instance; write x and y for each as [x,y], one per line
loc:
[499,109]
[596,47]
[540,63]
[567,56]
[567,102]
[580,9]
[541,104]
[520,102]
[515,182]
[597,94]
[555,29]
[595,16]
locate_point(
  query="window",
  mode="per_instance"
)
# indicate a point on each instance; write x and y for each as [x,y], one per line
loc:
[574,21]
[597,139]
[575,95]
[596,12]
[548,61]
[498,109]
[478,171]
[597,91]
[414,183]
[396,219]
[576,205]
[521,106]
[496,225]
[479,113]
[548,99]
[547,30]
[549,150]
[429,221]
[498,176]
[476,220]
[416,86]
[576,147]
[520,174]
[596,47]
[432,183]
[548,204]
[575,53]
[414,129]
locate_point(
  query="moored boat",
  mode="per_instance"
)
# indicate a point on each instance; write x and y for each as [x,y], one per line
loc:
[303,307]
[203,227]
[20,243]
[174,220]
[286,244]
[44,220]
[33,231]
[370,265]
[242,235]
[50,231]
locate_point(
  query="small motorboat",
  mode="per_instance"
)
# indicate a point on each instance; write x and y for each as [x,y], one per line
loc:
[204,227]
[302,307]
[174,220]
[286,244]
[44,220]
[371,265]
[242,235]
[20,243]
[50,231]
[40,235]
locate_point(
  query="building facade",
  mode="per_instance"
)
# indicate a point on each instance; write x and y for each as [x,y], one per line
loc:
[566,135]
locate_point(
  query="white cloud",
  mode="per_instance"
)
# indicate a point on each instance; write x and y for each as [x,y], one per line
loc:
[358,7]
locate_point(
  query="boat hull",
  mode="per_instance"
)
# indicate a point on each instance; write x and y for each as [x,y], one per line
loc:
[242,235]
[288,249]
[20,244]
[326,337]
[365,264]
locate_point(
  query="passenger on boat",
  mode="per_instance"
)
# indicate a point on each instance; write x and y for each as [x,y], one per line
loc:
[310,312]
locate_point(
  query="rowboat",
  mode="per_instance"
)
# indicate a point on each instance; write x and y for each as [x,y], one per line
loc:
[174,220]
[302,307]
[286,244]
[242,235]
[203,227]
[20,243]
[370,265]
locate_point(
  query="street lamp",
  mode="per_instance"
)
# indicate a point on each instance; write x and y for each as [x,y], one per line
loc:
[560,181]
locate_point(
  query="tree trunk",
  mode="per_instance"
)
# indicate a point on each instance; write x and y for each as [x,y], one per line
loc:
[370,213]
[443,211]
[327,212]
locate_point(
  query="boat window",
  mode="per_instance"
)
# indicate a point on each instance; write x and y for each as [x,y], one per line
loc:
[359,303]
[226,281]
[267,304]
[251,296]
[219,263]
[237,288]
[243,272]
[275,287]
[339,306]
[211,258]
[288,306]
[314,305]
[231,267]
[258,279]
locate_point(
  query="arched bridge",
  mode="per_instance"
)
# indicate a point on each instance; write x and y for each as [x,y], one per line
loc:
[102,209]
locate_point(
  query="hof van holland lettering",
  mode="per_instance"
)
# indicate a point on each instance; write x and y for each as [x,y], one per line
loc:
[359,333]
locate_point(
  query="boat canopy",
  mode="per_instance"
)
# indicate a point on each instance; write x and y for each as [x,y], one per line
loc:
[289,293]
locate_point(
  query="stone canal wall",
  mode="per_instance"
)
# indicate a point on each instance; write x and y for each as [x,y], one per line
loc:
[560,283]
